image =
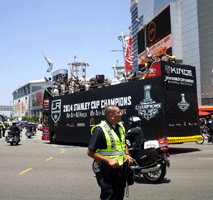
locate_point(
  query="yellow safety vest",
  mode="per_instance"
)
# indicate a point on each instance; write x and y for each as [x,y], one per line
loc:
[115,147]
[2,126]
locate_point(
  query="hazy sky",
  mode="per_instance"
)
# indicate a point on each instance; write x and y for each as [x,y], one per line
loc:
[87,29]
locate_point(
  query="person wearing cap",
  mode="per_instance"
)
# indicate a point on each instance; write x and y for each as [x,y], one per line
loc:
[55,91]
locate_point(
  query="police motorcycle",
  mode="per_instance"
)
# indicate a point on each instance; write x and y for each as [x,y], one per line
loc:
[34,129]
[29,132]
[14,136]
[150,157]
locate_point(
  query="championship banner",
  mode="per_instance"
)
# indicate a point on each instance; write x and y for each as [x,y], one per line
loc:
[128,53]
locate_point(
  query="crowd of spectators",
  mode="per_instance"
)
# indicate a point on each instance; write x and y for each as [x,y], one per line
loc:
[74,84]
[143,69]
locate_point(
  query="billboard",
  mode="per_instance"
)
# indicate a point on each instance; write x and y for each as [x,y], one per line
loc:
[37,100]
[158,36]
[21,106]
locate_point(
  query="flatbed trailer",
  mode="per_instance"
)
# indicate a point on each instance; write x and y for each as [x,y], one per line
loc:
[165,101]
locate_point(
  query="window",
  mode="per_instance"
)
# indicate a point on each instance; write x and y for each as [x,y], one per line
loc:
[36,88]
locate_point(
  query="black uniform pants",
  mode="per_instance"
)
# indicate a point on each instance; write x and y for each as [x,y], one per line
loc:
[3,133]
[112,182]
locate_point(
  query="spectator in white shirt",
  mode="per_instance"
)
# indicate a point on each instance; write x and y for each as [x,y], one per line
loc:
[55,91]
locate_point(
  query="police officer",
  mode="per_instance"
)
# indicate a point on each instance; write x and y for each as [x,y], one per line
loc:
[14,128]
[135,135]
[2,129]
[30,127]
[34,128]
[107,146]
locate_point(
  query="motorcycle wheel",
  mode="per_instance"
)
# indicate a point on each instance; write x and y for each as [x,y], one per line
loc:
[11,143]
[157,176]
[201,141]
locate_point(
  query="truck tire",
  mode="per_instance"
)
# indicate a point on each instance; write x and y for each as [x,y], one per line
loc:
[53,138]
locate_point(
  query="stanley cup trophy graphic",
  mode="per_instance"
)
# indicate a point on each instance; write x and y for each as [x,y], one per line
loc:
[183,105]
[147,95]
[183,98]
[148,108]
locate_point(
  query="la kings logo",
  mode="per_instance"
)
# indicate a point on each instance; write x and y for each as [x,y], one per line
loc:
[178,71]
[183,105]
[167,69]
[148,108]
[56,110]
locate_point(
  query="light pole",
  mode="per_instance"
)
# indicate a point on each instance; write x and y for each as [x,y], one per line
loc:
[145,41]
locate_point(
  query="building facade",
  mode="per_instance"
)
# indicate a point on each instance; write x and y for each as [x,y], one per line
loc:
[191,36]
[28,98]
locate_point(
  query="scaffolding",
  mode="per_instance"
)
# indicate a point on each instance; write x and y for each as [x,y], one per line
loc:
[79,69]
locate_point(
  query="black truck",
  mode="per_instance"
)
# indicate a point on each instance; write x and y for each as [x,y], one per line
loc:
[165,100]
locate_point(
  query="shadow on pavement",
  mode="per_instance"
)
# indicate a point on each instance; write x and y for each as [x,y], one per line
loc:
[68,144]
[141,180]
[178,150]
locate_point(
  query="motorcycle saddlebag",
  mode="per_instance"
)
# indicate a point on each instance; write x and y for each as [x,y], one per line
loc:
[146,156]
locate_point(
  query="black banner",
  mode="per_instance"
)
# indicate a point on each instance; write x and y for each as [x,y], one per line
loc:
[179,78]
[156,30]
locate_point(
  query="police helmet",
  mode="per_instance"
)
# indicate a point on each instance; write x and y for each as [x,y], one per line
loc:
[134,121]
